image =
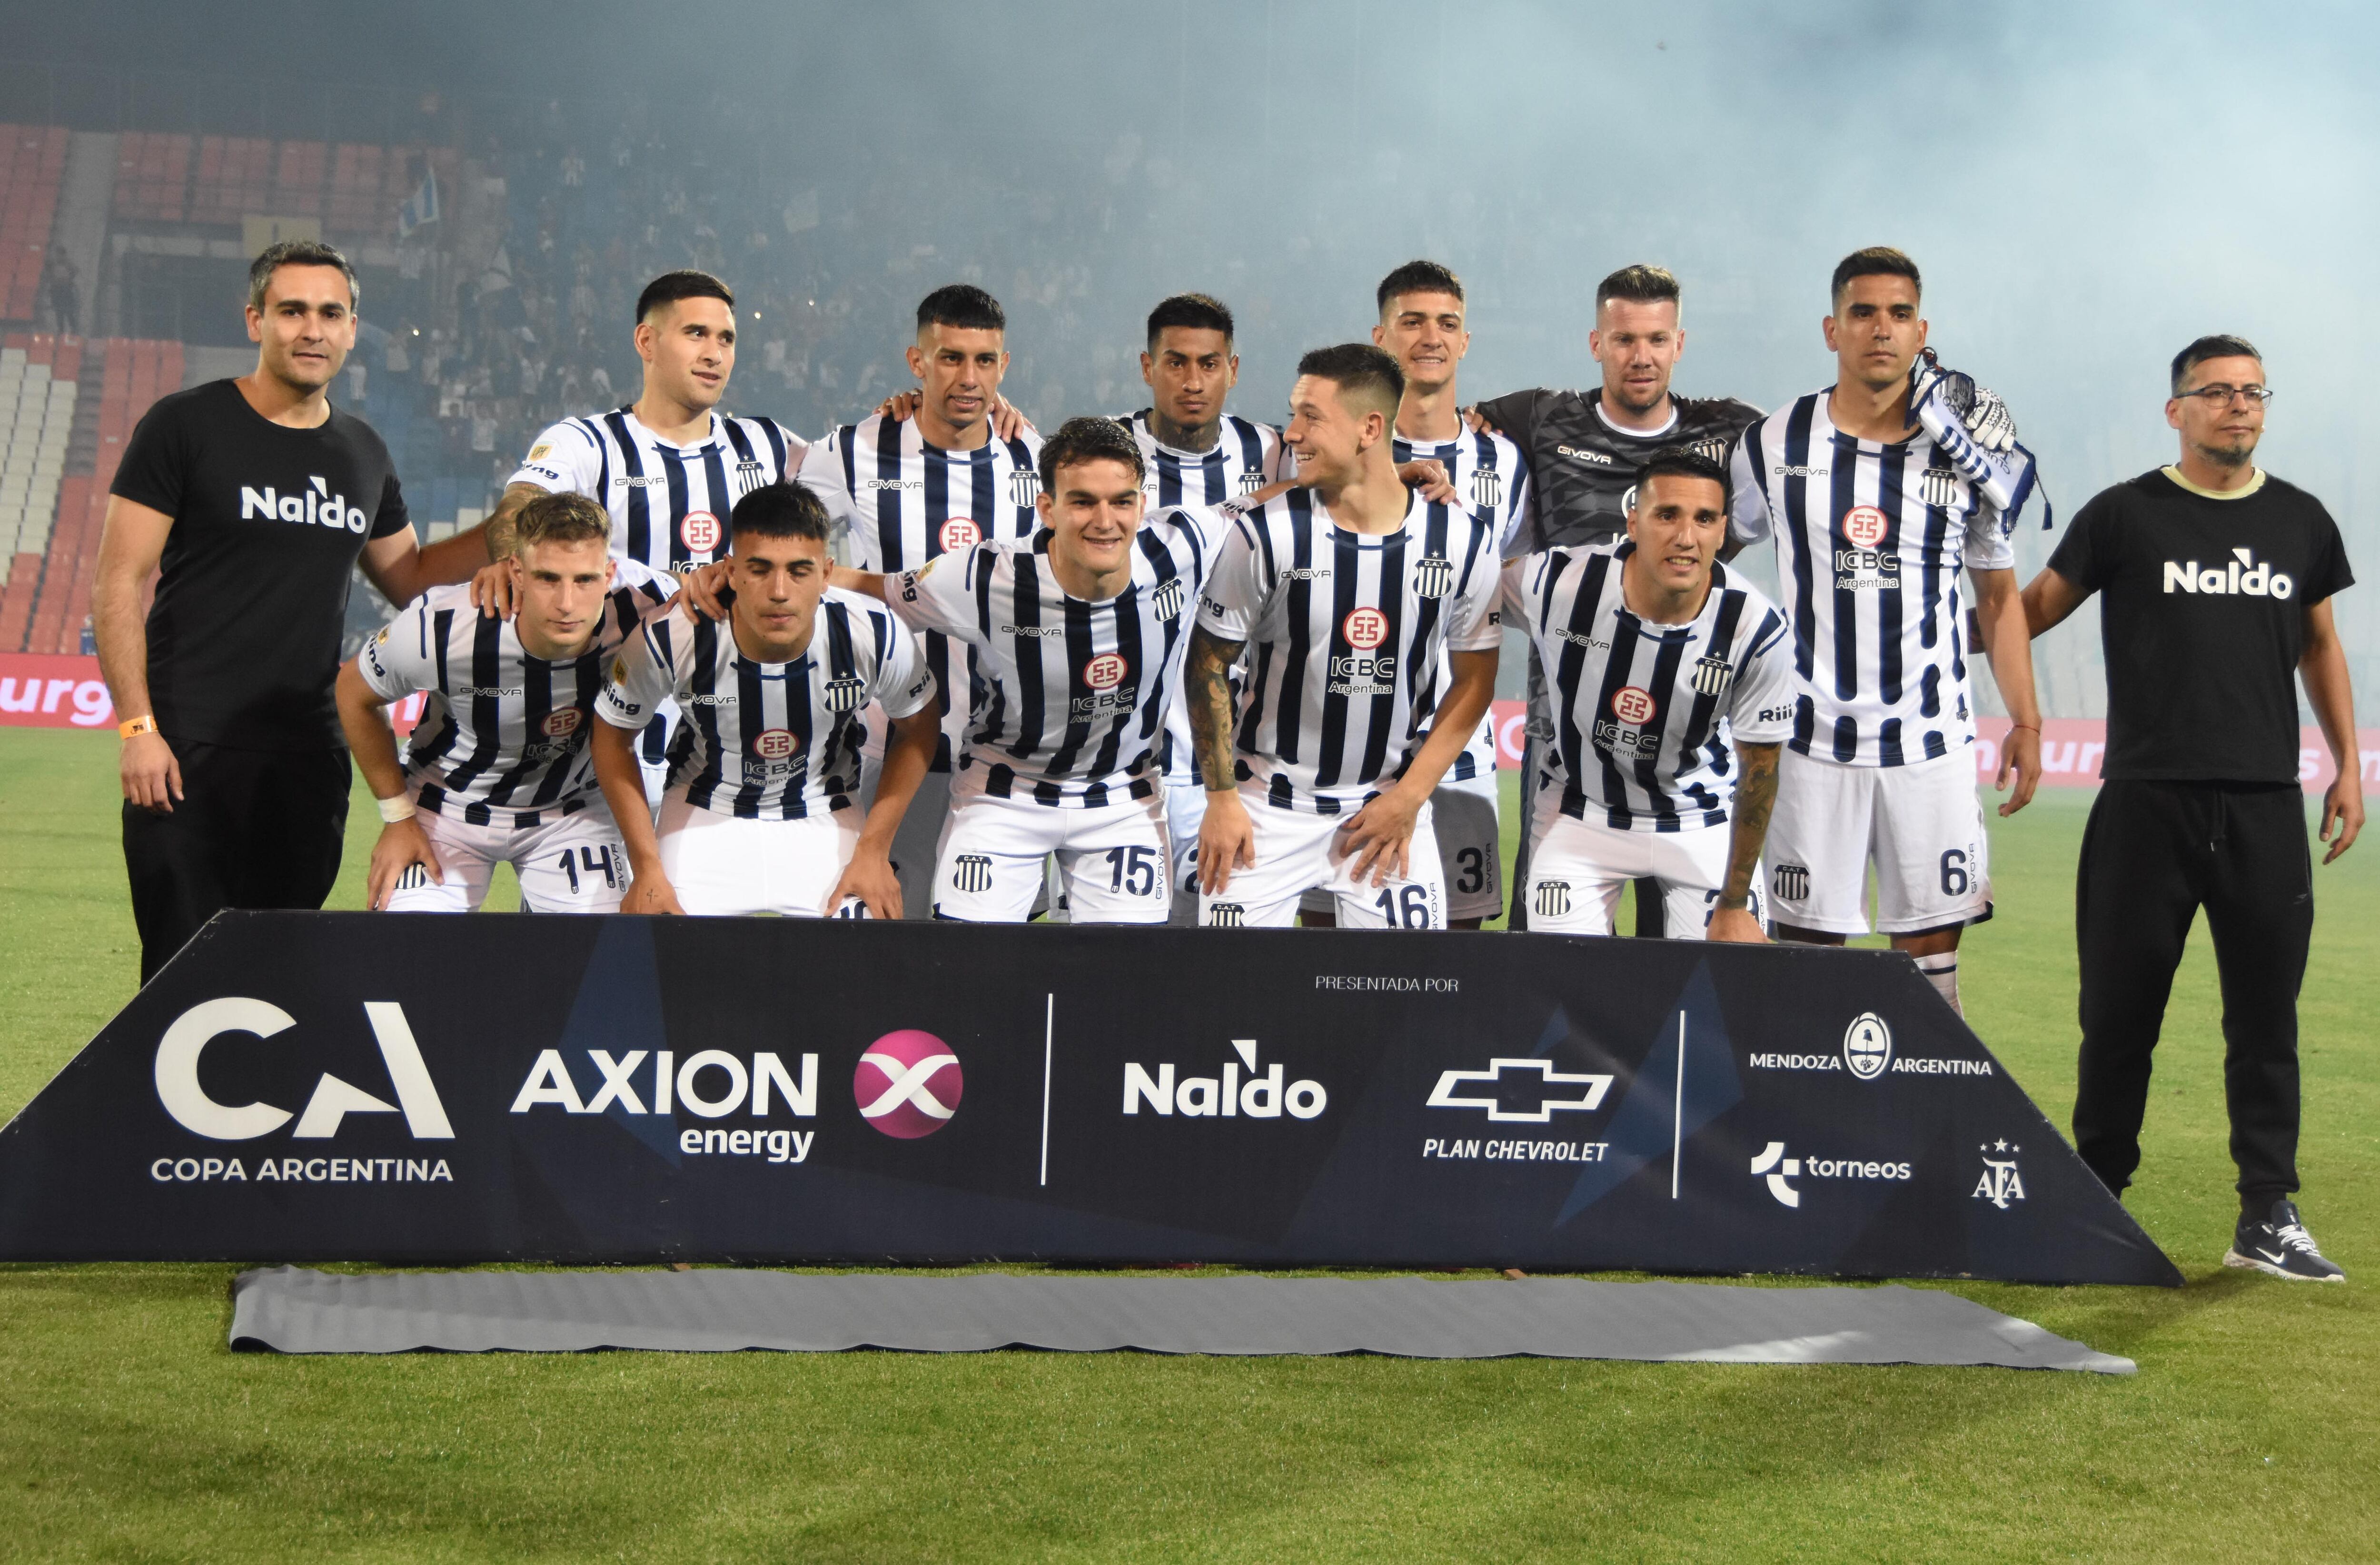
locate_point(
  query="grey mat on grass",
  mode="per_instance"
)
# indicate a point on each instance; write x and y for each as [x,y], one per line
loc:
[292,1310]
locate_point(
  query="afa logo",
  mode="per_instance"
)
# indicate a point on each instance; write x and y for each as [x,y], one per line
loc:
[2001,1182]
[1105,672]
[909,1084]
[960,532]
[1864,527]
[1365,628]
[699,531]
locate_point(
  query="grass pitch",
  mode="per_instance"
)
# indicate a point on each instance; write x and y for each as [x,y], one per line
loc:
[129,1432]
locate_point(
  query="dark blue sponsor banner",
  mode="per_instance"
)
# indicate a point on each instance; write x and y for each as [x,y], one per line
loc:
[399,1088]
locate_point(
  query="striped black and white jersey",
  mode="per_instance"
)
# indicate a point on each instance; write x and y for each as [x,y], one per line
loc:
[1076,692]
[1345,631]
[774,741]
[1492,482]
[1870,540]
[503,739]
[1646,715]
[1247,457]
[901,502]
[669,502]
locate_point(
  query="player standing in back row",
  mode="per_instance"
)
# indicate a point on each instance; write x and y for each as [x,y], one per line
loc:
[1345,592]
[1422,321]
[1194,454]
[668,468]
[1873,522]
[910,488]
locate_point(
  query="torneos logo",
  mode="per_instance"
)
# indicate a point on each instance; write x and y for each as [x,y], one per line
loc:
[1365,629]
[959,532]
[1864,526]
[1867,1045]
[1630,704]
[701,530]
[773,743]
[909,1084]
[563,721]
[1104,671]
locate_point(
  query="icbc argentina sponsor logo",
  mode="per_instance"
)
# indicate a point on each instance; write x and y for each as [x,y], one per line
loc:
[212,1025]
[699,531]
[1867,1053]
[1864,564]
[1104,676]
[958,533]
[1363,672]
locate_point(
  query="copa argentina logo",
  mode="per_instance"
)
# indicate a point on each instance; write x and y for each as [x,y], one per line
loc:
[314,505]
[2242,576]
[1224,1095]
[186,1099]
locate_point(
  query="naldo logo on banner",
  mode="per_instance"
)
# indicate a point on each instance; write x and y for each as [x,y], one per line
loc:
[175,1072]
[1224,1095]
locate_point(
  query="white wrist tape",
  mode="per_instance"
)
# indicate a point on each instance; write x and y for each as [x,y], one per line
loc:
[396,809]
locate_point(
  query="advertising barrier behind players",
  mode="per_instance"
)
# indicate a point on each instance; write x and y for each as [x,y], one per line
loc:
[412,1088]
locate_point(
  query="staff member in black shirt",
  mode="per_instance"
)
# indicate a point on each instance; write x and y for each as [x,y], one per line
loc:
[2216,581]
[257,497]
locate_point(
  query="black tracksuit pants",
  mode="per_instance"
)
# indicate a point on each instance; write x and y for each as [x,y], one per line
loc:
[253,828]
[2154,853]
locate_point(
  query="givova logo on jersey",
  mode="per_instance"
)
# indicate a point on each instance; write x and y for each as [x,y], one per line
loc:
[2241,575]
[186,1097]
[314,505]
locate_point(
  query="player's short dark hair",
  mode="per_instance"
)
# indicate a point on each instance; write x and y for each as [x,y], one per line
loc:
[963,304]
[296,252]
[1639,283]
[1196,312]
[779,510]
[1417,277]
[1362,373]
[1090,439]
[672,286]
[1686,462]
[564,517]
[2221,345]
[1876,261]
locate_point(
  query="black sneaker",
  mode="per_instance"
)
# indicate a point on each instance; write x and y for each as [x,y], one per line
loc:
[2280,1246]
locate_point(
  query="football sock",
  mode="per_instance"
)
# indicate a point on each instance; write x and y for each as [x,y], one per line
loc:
[1941,970]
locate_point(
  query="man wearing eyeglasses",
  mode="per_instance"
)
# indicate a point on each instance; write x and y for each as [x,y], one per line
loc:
[2215,581]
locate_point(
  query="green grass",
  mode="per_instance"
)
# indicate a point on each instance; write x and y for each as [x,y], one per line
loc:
[129,1432]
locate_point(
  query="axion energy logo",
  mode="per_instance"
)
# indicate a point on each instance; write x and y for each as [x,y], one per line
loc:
[909,1084]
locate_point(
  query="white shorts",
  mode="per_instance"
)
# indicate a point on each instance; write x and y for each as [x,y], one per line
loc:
[1186,811]
[1111,860]
[1578,869]
[571,864]
[1296,851]
[1922,826]
[921,828]
[1470,842]
[724,864]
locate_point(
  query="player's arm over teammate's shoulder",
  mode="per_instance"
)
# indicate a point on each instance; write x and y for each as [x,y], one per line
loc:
[391,665]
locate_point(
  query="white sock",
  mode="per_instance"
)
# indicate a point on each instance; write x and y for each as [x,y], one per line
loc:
[1941,970]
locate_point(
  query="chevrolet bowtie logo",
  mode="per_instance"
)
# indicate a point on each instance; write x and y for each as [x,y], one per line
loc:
[1533,1092]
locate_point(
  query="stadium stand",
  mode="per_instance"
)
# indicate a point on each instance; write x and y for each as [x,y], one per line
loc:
[33,157]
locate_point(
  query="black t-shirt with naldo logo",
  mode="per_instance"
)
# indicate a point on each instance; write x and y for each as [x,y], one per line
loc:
[2202,615]
[268,523]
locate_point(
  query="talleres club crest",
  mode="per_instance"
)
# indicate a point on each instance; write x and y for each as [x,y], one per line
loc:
[909,1084]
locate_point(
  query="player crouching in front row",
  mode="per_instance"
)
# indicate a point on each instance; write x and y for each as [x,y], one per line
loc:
[763,815]
[497,769]
[1671,685]
[1080,634]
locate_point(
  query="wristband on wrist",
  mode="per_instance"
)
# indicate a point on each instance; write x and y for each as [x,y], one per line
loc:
[2029,727]
[395,809]
[1734,904]
[133,727]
